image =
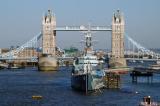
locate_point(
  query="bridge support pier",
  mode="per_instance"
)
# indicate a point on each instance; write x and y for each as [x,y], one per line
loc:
[136,74]
[117,62]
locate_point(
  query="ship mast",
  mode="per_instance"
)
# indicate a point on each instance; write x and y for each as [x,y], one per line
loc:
[88,41]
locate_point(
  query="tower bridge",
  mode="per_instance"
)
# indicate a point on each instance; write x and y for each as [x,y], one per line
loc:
[48,38]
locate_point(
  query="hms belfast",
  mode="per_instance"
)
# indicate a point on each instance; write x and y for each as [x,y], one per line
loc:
[88,72]
[48,61]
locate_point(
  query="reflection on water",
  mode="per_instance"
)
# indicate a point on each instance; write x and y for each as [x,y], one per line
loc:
[18,86]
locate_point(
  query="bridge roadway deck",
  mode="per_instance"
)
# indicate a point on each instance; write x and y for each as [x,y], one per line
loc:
[65,58]
[83,28]
[139,59]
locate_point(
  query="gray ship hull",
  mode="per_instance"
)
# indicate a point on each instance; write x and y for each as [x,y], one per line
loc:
[86,82]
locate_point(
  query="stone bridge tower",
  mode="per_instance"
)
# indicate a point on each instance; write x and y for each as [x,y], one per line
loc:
[118,30]
[49,34]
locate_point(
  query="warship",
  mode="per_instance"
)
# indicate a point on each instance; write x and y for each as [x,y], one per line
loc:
[87,73]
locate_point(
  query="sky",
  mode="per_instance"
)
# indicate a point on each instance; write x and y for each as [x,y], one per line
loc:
[20,20]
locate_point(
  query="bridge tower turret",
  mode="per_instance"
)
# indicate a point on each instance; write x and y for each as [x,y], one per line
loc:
[49,34]
[118,29]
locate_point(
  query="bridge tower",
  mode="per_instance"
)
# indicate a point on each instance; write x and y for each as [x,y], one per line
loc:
[48,60]
[118,29]
[49,34]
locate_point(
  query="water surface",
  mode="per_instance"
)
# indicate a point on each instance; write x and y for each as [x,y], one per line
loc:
[18,86]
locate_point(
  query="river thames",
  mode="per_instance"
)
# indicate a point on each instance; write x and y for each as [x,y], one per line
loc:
[18,86]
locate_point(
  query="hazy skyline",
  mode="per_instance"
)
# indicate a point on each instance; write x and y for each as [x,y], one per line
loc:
[21,20]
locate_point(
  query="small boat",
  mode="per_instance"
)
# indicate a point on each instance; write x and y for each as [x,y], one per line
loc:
[3,65]
[15,66]
[148,102]
[155,67]
[88,72]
